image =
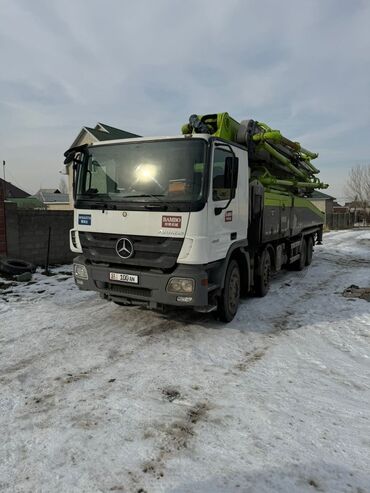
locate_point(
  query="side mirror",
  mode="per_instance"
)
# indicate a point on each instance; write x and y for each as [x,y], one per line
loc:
[231,172]
[74,173]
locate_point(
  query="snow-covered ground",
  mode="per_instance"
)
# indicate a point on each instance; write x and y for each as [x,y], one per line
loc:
[100,398]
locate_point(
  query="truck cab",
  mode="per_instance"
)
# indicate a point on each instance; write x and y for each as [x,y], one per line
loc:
[156,218]
[181,221]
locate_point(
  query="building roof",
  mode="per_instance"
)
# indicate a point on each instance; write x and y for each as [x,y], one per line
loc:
[27,203]
[11,191]
[117,133]
[50,195]
[316,195]
[102,132]
[356,204]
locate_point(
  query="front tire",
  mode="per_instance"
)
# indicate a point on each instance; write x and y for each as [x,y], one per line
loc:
[229,300]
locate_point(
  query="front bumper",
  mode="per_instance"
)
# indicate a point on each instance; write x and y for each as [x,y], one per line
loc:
[151,288]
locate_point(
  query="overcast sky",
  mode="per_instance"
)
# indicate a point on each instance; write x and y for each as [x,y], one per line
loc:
[145,66]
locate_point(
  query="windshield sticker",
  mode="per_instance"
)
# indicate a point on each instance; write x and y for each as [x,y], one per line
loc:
[228,216]
[171,221]
[84,219]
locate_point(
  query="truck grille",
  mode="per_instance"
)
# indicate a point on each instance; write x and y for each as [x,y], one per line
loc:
[126,290]
[149,251]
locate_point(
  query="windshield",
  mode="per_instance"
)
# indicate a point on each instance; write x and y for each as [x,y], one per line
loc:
[169,171]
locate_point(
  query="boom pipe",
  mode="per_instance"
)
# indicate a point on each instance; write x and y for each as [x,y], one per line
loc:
[287,163]
[271,150]
[271,181]
[276,135]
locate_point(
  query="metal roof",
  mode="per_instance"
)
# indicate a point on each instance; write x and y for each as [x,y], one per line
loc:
[103,132]
[48,195]
[27,203]
[320,196]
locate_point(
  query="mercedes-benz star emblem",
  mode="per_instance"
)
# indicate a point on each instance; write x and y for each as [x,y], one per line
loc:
[124,248]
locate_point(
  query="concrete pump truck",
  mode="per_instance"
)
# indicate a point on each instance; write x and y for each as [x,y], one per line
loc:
[196,220]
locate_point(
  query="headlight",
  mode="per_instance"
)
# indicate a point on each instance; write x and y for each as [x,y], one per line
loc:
[80,271]
[180,285]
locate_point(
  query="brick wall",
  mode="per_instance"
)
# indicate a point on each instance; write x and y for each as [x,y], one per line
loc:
[28,230]
[2,223]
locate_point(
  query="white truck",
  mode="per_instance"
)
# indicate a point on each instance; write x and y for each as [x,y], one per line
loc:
[182,221]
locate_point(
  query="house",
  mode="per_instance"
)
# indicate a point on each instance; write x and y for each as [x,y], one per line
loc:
[89,135]
[101,132]
[11,191]
[339,209]
[360,210]
[322,201]
[358,205]
[53,199]
[17,196]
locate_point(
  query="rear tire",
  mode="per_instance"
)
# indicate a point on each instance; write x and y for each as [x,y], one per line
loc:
[262,282]
[301,262]
[229,300]
[309,252]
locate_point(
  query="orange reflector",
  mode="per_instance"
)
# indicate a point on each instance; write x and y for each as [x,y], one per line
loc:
[204,282]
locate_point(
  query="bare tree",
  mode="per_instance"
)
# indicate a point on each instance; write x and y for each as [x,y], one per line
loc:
[63,186]
[358,185]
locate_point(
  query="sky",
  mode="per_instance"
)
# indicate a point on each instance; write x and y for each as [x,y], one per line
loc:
[145,66]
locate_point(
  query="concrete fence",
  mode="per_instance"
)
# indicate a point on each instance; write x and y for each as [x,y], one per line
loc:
[27,233]
[338,220]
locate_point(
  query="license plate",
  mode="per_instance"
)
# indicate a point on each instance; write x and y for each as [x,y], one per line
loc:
[115,276]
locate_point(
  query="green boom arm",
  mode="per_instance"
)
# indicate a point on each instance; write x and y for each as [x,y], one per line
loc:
[275,160]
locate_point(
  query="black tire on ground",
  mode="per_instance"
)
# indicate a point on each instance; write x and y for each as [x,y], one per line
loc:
[120,303]
[301,262]
[13,266]
[262,281]
[230,296]
[309,251]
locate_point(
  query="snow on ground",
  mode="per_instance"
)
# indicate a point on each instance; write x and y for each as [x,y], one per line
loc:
[100,398]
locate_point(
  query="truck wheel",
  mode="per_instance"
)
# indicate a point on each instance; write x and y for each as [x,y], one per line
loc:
[262,282]
[229,300]
[120,303]
[301,262]
[309,252]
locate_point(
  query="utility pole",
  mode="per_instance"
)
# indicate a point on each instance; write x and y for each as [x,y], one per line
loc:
[4,180]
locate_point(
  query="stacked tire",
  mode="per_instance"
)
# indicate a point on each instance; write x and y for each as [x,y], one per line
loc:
[14,267]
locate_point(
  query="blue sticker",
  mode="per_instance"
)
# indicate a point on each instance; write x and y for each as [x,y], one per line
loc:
[84,219]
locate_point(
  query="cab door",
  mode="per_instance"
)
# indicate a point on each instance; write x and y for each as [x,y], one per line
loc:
[223,210]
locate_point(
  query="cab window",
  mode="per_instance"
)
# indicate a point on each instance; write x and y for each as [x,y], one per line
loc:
[219,192]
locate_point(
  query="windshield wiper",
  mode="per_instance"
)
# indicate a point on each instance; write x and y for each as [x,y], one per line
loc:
[95,195]
[161,205]
[155,196]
